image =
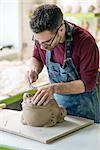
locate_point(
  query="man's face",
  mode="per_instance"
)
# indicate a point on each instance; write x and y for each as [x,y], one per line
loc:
[48,40]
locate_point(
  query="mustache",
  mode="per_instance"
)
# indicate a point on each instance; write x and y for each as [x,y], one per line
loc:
[51,47]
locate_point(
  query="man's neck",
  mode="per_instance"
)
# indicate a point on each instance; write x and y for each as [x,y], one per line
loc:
[63,36]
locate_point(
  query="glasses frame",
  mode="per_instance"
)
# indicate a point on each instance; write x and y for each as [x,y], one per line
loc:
[46,43]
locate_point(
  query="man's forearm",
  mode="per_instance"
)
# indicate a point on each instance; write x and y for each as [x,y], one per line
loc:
[73,87]
[36,65]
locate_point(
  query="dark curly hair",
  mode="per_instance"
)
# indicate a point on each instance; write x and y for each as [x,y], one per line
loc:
[46,17]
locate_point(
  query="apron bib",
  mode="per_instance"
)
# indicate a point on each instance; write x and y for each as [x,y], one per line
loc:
[83,105]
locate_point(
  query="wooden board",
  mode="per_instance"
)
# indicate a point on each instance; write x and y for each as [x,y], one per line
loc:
[10,122]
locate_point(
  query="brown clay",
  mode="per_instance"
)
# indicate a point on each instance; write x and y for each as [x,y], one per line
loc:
[39,116]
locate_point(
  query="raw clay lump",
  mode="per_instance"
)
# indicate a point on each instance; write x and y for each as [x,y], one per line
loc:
[41,116]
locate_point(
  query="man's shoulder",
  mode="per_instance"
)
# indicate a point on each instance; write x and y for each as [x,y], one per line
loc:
[81,31]
[82,35]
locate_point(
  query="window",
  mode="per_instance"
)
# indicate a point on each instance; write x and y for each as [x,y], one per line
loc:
[9,24]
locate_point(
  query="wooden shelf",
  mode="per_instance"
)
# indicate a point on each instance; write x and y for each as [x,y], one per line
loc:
[82,15]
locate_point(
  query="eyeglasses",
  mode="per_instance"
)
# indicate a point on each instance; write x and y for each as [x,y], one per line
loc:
[46,43]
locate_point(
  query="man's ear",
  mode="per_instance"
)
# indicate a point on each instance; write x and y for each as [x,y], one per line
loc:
[62,29]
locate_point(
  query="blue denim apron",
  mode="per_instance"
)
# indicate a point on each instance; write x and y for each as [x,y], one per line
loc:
[83,105]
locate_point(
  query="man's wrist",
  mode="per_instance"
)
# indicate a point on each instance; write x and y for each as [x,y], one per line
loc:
[56,88]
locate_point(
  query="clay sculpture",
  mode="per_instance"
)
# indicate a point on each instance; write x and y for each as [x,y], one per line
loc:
[41,116]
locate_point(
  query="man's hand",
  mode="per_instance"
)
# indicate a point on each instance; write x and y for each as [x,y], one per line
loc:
[32,76]
[36,67]
[43,95]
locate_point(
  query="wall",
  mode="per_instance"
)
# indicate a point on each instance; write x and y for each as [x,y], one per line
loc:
[26,7]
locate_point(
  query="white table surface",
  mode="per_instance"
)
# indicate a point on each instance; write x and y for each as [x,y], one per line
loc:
[84,139]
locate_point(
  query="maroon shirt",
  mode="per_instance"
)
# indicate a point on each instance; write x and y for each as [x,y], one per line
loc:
[85,55]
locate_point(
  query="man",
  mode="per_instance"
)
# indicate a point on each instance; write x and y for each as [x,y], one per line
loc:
[71,56]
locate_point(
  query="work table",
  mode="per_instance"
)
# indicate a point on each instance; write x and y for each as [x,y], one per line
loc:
[84,139]
[87,138]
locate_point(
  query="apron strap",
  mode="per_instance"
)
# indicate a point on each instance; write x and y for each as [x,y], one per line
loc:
[68,48]
[68,43]
[48,57]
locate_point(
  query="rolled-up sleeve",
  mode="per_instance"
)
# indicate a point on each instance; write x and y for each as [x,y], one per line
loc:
[89,63]
[36,53]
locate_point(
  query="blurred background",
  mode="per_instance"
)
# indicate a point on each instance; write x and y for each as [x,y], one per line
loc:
[16,37]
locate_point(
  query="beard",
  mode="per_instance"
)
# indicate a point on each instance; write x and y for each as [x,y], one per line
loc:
[53,46]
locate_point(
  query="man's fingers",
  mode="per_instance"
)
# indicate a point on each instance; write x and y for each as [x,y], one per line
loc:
[31,76]
[36,97]
[39,97]
[42,100]
[47,101]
